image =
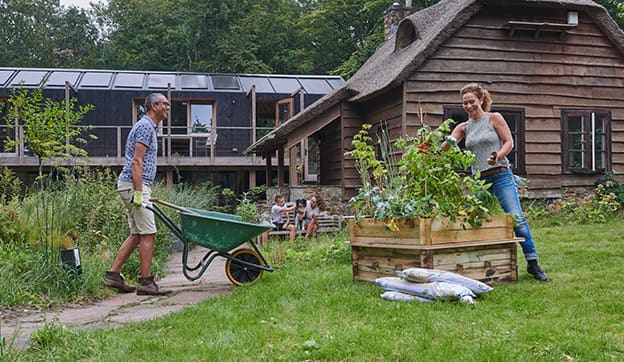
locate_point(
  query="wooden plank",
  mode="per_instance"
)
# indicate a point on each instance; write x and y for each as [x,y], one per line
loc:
[489,263]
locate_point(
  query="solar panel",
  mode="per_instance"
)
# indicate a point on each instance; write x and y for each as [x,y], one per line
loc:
[129,80]
[315,85]
[97,79]
[262,84]
[57,79]
[224,82]
[193,81]
[161,80]
[284,85]
[29,77]
[5,75]
[336,82]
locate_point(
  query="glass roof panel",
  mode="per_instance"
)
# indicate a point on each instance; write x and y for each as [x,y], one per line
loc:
[262,84]
[285,85]
[29,77]
[336,82]
[5,75]
[224,82]
[59,78]
[315,85]
[96,79]
[193,81]
[161,80]
[129,80]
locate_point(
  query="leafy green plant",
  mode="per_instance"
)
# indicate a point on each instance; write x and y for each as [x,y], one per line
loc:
[426,182]
[49,127]
[10,185]
[247,210]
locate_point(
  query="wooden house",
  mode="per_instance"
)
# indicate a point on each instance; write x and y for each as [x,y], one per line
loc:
[555,69]
[214,117]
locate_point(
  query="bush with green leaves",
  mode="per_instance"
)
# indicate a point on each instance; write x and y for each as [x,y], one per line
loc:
[426,182]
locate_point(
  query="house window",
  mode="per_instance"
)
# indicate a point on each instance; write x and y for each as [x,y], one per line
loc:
[585,140]
[188,117]
[6,132]
[515,120]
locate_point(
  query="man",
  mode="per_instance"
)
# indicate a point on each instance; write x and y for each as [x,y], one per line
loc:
[133,185]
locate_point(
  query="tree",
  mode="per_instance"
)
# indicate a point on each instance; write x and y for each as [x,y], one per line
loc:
[49,127]
[25,32]
[74,39]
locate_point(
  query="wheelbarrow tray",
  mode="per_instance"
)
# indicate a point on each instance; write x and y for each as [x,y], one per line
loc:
[218,231]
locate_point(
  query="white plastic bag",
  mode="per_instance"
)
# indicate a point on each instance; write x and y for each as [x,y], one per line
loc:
[422,275]
[435,290]
[404,297]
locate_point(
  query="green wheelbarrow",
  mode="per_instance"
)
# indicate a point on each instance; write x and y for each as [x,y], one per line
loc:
[221,234]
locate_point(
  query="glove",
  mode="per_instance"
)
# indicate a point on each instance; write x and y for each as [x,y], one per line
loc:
[492,159]
[137,198]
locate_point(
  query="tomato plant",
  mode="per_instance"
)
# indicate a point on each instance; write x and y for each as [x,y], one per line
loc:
[426,182]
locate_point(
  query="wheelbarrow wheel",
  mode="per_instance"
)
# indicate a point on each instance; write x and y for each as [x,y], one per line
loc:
[239,273]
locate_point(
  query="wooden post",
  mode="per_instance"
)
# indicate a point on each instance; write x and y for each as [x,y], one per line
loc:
[280,166]
[292,167]
[269,179]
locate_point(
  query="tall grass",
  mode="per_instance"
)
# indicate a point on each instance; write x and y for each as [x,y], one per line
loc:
[76,208]
[310,309]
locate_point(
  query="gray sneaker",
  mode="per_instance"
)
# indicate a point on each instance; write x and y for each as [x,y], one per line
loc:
[147,286]
[116,281]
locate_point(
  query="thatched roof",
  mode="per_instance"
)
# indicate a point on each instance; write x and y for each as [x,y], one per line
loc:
[390,65]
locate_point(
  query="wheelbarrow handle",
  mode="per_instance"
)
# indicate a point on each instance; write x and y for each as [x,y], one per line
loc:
[173,206]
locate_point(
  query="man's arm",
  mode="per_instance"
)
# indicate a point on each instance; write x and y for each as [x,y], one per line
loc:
[137,166]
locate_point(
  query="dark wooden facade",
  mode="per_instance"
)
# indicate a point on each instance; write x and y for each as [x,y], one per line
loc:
[242,108]
[542,61]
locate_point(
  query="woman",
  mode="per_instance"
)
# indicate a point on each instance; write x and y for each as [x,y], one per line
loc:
[489,138]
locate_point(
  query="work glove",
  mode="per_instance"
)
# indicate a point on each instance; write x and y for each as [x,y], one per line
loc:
[137,198]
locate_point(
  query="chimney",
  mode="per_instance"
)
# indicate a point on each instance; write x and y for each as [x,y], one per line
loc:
[393,15]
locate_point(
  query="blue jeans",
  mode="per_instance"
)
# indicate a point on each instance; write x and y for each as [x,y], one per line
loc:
[505,189]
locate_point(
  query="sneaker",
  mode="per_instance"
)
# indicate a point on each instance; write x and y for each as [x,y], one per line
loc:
[534,269]
[147,286]
[116,281]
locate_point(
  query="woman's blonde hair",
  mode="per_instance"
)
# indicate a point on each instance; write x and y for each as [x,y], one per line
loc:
[480,92]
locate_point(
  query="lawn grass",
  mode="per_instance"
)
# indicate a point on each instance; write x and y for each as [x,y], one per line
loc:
[310,309]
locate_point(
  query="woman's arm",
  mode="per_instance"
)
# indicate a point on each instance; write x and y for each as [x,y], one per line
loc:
[504,133]
[456,136]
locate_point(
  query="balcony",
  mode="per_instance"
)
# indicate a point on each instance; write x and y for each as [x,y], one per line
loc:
[180,148]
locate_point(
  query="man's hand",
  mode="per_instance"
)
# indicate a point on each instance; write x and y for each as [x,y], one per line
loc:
[137,198]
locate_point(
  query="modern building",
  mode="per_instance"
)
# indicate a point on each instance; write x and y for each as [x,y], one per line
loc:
[214,118]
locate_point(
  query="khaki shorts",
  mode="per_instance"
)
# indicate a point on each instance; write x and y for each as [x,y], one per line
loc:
[140,219]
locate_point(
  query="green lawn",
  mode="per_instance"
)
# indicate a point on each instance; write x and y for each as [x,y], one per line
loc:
[310,309]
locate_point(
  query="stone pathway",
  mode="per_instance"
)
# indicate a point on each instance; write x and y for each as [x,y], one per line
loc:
[123,308]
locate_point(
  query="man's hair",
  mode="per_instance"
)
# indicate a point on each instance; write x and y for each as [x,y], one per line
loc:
[278,197]
[151,99]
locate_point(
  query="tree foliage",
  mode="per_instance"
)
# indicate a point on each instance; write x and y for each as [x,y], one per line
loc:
[234,36]
[49,127]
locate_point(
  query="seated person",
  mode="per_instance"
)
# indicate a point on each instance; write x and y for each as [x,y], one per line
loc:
[311,212]
[280,217]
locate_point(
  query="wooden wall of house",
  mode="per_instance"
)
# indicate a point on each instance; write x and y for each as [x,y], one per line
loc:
[542,73]
[330,154]
[384,113]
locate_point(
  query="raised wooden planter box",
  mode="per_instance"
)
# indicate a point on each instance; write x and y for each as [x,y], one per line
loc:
[488,253]
[430,231]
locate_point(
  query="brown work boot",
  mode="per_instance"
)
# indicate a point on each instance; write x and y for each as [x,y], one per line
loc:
[116,280]
[147,286]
